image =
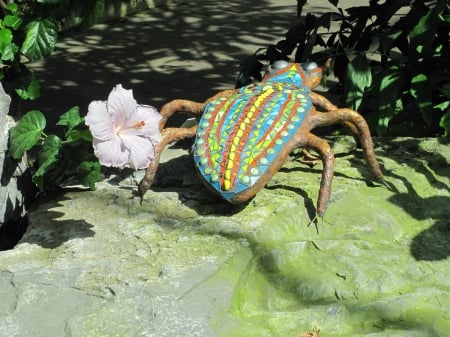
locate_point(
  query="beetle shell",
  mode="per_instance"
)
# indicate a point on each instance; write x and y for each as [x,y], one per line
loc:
[238,137]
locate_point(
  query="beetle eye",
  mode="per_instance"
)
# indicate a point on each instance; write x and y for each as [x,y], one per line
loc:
[277,65]
[308,66]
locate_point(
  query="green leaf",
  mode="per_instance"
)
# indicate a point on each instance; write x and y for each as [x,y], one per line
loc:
[445,123]
[71,118]
[9,52]
[12,7]
[442,106]
[89,173]
[445,90]
[387,40]
[387,99]
[97,12]
[75,135]
[12,21]
[40,39]
[26,133]
[422,35]
[358,77]
[87,13]
[47,157]
[28,86]
[6,45]
[421,89]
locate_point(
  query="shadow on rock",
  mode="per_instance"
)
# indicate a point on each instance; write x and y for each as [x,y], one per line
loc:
[435,207]
[427,157]
[12,230]
[427,194]
[18,193]
[46,229]
[179,175]
[433,243]
[308,202]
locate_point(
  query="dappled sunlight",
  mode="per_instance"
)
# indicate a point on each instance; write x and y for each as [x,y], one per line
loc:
[189,51]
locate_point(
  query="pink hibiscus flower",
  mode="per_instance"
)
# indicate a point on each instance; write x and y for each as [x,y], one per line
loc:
[124,133]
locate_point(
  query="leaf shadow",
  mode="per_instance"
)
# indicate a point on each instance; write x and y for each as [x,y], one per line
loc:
[424,156]
[48,230]
[432,244]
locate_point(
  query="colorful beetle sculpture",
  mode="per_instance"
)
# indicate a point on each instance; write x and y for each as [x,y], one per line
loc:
[245,135]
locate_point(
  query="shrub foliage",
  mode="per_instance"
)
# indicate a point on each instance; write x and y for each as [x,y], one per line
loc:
[28,32]
[391,60]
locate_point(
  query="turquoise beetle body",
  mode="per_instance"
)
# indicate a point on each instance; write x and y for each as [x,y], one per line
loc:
[240,136]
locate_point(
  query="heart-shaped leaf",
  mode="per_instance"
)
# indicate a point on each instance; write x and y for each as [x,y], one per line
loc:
[26,133]
[40,39]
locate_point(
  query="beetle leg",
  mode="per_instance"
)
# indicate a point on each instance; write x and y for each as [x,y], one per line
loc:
[309,158]
[326,105]
[321,101]
[191,107]
[349,116]
[323,148]
[168,135]
[179,105]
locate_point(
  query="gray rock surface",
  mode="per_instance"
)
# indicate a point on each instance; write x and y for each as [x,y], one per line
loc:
[15,193]
[98,263]
[6,122]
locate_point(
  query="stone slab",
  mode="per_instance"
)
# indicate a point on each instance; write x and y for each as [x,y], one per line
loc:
[98,263]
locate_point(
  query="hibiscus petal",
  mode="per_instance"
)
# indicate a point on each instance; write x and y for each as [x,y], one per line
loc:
[121,104]
[151,118]
[111,153]
[143,122]
[142,151]
[98,121]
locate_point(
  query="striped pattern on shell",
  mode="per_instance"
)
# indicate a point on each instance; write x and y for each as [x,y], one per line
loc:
[239,136]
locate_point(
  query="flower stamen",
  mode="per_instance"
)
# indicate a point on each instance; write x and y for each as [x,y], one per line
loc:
[139,125]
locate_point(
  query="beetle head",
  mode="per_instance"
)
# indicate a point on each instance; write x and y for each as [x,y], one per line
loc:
[307,74]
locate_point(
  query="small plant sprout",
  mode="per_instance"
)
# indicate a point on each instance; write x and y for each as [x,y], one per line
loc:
[124,133]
